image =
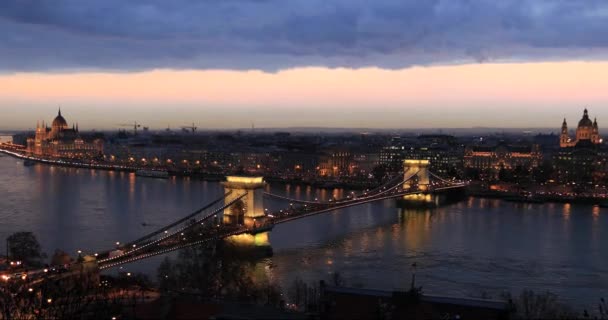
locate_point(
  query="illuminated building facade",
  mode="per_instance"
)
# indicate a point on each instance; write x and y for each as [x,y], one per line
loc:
[442,151]
[493,159]
[61,141]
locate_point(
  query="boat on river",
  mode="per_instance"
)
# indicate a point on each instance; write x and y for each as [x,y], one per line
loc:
[524,198]
[152,174]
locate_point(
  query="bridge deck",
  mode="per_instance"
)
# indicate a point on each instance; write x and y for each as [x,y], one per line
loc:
[162,241]
[180,241]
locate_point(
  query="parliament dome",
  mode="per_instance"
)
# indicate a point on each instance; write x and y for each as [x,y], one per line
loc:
[60,122]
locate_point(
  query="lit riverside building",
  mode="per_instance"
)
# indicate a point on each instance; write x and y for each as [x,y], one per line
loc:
[581,160]
[587,131]
[491,159]
[60,141]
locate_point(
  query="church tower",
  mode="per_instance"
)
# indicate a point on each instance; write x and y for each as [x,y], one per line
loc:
[595,133]
[564,139]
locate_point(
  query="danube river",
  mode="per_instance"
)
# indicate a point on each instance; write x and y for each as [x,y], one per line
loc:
[466,249]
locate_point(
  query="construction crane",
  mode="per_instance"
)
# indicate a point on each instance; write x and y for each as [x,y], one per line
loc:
[192,128]
[135,125]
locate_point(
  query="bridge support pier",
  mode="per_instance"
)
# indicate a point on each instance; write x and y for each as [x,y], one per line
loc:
[419,200]
[250,245]
[251,240]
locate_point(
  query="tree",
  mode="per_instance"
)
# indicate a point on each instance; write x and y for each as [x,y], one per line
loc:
[166,275]
[337,280]
[521,174]
[24,246]
[60,258]
[530,305]
[544,172]
[472,173]
[379,172]
[505,175]
[216,272]
[64,299]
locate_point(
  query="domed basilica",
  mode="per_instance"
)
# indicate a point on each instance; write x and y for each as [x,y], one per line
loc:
[587,132]
[582,159]
[62,141]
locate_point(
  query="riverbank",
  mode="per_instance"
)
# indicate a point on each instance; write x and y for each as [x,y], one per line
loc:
[204,176]
[324,184]
[539,198]
[72,164]
[321,184]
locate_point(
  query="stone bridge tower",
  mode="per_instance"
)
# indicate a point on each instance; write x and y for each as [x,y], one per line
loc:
[416,171]
[249,210]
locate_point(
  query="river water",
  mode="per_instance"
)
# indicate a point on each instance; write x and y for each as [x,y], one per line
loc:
[469,248]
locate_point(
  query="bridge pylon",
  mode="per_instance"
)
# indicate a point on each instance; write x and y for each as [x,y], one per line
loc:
[419,169]
[249,210]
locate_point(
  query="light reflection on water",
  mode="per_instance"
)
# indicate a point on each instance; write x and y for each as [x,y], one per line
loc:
[475,246]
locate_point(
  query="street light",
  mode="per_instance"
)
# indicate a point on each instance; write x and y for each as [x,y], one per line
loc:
[413,275]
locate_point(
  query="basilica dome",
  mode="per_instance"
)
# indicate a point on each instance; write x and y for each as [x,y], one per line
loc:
[585,121]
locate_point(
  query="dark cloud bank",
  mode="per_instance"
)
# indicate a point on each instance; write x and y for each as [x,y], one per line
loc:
[275,34]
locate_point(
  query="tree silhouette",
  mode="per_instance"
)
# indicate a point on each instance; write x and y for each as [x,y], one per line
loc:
[24,246]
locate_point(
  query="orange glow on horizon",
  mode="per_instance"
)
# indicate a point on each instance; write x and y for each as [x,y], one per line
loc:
[516,94]
[510,81]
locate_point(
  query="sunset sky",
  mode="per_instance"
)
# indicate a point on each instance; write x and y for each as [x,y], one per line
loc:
[342,63]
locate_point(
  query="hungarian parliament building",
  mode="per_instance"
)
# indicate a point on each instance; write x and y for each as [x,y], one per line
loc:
[61,141]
